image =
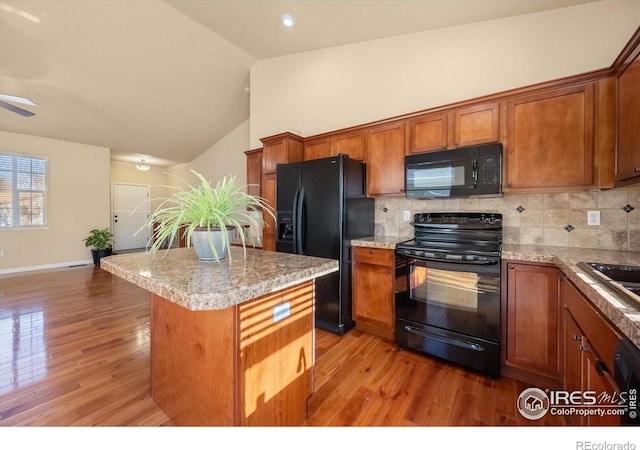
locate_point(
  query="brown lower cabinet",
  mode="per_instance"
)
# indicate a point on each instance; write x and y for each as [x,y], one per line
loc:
[589,343]
[373,286]
[554,338]
[530,310]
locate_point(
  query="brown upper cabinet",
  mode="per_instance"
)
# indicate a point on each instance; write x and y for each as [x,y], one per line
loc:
[351,143]
[316,148]
[429,132]
[386,145]
[254,171]
[550,139]
[477,124]
[628,145]
[281,148]
[471,125]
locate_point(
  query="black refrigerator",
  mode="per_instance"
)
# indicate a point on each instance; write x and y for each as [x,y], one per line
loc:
[321,205]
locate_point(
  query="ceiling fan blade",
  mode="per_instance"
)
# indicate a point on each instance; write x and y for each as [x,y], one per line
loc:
[15,99]
[15,109]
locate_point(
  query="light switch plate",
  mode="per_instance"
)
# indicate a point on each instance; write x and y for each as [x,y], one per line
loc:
[593,217]
[407,215]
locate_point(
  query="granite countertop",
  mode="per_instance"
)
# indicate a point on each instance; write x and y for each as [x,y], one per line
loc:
[388,242]
[612,305]
[179,276]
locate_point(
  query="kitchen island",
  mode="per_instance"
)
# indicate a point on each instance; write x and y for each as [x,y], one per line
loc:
[232,343]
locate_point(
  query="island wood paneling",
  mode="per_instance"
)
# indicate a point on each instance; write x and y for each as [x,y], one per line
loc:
[235,366]
[276,357]
[194,363]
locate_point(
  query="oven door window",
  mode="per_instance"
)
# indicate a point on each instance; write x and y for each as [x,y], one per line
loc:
[458,297]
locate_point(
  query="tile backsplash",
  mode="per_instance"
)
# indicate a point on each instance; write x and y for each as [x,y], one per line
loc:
[558,219]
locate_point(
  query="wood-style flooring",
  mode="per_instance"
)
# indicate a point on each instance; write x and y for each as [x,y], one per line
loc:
[74,351]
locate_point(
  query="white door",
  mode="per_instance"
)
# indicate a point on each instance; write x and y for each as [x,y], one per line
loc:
[129,211]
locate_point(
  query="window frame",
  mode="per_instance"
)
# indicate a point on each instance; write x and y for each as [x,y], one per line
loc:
[16,191]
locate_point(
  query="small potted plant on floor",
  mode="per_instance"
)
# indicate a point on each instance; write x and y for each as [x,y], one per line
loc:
[208,216]
[101,241]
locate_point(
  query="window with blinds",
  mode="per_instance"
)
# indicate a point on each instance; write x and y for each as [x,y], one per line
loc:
[23,191]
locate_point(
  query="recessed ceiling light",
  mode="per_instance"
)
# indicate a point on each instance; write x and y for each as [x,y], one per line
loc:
[288,20]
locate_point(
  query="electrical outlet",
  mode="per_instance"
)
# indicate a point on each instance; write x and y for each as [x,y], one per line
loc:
[1,253]
[593,217]
[407,215]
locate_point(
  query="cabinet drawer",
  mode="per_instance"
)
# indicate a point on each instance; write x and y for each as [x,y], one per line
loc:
[602,336]
[381,256]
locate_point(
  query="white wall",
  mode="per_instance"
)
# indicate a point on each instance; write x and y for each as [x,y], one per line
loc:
[226,157]
[156,178]
[330,89]
[78,200]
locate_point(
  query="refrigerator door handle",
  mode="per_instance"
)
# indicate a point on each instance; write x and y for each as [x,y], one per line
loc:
[299,229]
[295,220]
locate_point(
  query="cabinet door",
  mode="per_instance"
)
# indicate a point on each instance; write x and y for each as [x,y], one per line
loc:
[373,299]
[350,143]
[273,154]
[269,230]
[428,132]
[596,377]
[628,148]
[532,318]
[281,148]
[572,359]
[550,141]
[317,148]
[385,159]
[479,124]
[254,172]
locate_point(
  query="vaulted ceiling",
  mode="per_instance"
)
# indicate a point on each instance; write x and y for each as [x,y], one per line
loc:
[165,80]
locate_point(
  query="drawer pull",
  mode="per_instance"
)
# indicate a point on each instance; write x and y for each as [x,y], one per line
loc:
[577,337]
[637,169]
[601,367]
[371,252]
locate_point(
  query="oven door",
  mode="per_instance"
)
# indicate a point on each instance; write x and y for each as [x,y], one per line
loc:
[459,297]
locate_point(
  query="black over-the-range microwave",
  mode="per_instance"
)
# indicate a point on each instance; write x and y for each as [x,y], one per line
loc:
[460,172]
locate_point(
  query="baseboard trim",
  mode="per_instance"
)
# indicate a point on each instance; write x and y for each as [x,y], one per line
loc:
[83,262]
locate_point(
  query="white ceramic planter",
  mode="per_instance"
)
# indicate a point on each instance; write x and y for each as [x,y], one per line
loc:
[204,241]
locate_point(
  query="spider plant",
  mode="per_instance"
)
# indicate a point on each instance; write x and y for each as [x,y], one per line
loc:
[203,207]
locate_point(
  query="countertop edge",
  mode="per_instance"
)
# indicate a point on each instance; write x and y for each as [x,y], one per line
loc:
[220,300]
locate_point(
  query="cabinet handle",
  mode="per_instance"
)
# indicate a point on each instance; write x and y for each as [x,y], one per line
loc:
[509,185]
[511,267]
[371,252]
[577,337]
[457,144]
[444,146]
[601,367]
[637,169]
[389,271]
[584,348]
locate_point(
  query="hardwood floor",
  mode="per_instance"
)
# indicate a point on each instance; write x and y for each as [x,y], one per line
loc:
[74,351]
